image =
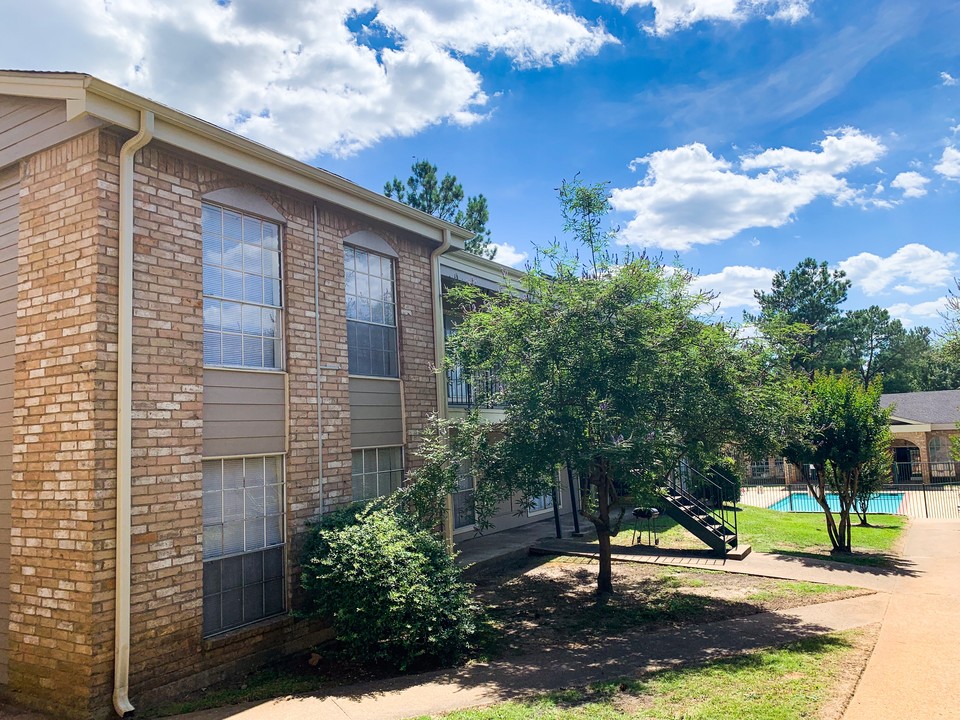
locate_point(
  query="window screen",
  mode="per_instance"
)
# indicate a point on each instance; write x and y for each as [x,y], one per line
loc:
[241,290]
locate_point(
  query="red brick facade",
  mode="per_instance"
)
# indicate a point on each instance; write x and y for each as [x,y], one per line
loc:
[64,477]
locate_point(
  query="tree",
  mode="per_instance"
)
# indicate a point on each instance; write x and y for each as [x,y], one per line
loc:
[839,436]
[610,368]
[444,199]
[803,310]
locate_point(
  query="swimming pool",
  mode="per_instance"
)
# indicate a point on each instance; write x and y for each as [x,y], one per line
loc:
[802,502]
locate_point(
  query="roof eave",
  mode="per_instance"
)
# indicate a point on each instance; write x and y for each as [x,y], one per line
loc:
[86,95]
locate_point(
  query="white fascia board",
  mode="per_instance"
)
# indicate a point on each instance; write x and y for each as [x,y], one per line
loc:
[119,107]
[52,86]
[470,264]
[907,429]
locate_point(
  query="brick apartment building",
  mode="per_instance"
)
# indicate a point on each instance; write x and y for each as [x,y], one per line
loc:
[204,344]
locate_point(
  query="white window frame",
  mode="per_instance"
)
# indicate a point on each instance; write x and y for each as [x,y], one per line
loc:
[253,315]
[217,556]
[377,473]
[355,316]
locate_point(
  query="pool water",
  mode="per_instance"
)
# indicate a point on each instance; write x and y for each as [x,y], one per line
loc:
[802,502]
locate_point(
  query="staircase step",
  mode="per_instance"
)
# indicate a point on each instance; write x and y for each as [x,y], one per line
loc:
[739,552]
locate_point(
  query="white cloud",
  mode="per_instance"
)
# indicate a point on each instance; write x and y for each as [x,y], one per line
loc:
[672,15]
[908,289]
[949,165]
[304,76]
[919,314]
[736,283]
[948,79]
[912,184]
[689,196]
[507,254]
[920,265]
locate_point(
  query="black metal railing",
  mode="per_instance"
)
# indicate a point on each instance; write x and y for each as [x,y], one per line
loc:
[921,472]
[914,500]
[718,499]
[476,390]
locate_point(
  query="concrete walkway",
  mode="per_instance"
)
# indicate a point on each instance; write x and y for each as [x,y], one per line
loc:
[914,671]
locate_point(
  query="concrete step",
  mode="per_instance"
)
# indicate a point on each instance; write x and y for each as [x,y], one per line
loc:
[739,552]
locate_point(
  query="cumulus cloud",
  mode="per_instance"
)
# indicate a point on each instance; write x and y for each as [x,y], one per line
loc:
[949,165]
[507,254]
[948,79]
[922,266]
[912,184]
[689,196]
[920,313]
[304,76]
[672,15]
[735,284]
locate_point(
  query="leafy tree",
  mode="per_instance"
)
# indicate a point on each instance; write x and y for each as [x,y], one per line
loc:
[802,310]
[611,369]
[443,198]
[839,436]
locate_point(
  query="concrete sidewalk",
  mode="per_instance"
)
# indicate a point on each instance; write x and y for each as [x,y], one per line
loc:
[914,671]
[632,655]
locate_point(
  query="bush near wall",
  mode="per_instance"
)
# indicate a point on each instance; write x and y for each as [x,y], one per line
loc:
[389,588]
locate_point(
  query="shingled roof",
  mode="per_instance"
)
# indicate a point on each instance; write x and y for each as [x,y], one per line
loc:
[934,407]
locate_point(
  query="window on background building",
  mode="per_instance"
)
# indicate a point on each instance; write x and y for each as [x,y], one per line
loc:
[241,290]
[939,450]
[243,541]
[464,511]
[371,313]
[759,468]
[376,472]
[544,502]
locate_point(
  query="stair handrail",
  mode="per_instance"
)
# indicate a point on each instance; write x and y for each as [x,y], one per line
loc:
[718,507]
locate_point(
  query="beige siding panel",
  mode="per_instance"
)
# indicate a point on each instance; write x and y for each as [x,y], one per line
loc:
[9,199]
[375,413]
[27,125]
[244,413]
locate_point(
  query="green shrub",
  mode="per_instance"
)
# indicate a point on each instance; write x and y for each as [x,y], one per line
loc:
[391,591]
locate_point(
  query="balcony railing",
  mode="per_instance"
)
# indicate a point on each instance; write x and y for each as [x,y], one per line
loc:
[478,390]
[918,472]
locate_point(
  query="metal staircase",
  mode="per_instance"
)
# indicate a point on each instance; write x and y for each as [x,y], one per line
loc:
[699,504]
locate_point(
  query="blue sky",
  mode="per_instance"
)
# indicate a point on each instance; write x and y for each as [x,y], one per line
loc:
[741,135]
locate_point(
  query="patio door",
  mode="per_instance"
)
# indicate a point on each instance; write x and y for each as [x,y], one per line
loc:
[907,464]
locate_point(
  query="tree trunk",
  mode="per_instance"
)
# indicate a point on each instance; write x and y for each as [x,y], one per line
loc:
[605,575]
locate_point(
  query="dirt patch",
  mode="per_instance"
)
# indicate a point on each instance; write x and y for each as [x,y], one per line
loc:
[553,603]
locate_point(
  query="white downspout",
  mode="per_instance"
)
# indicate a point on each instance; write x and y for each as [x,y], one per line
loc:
[121,642]
[439,354]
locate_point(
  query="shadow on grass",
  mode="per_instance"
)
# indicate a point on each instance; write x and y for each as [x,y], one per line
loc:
[809,648]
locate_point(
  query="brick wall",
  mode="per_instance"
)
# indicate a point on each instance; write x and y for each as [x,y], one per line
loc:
[64,430]
[65,409]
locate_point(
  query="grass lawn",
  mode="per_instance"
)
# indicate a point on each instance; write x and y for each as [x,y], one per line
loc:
[536,604]
[811,678]
[803,534]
